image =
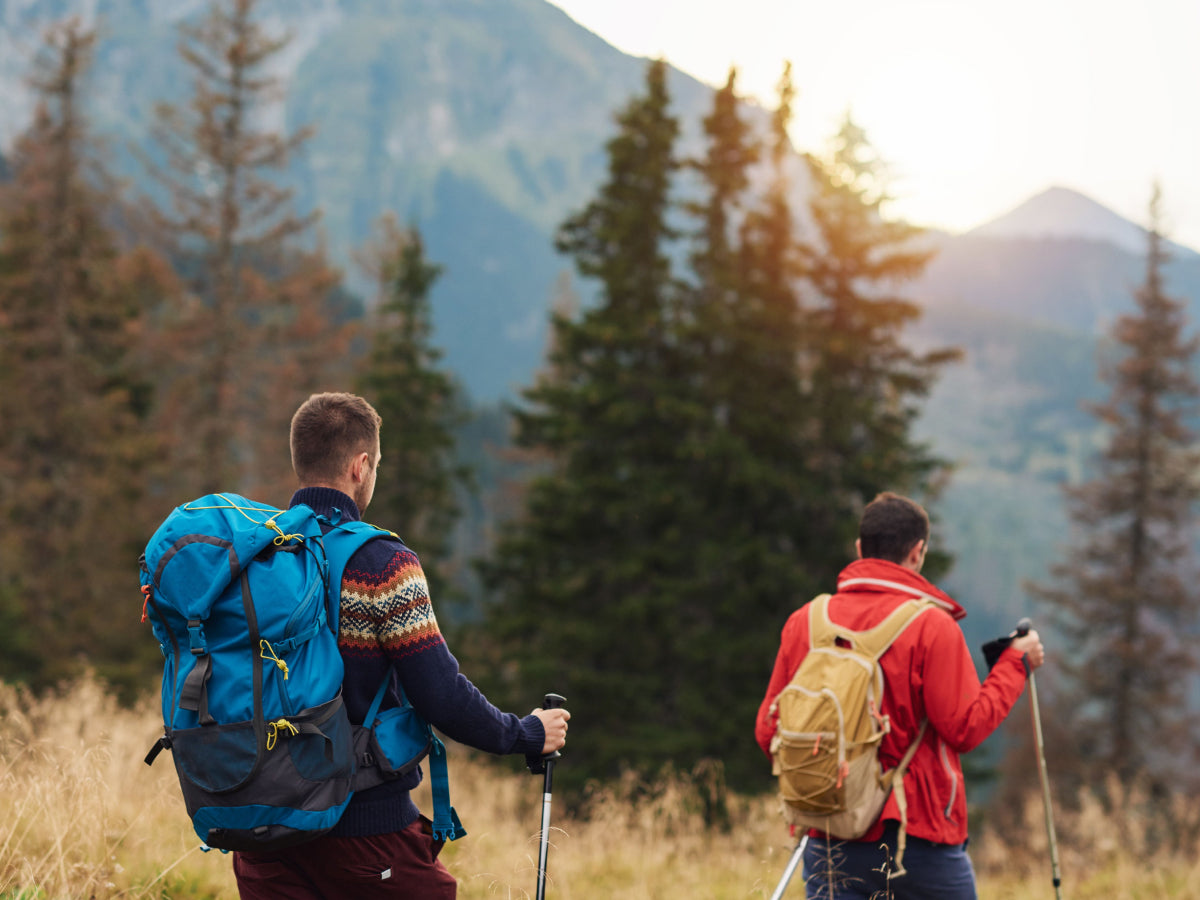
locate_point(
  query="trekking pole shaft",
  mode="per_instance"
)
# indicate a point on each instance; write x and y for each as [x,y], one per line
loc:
[795,861]
[1023,628]
[551,701]
[544,849]
[1041,754]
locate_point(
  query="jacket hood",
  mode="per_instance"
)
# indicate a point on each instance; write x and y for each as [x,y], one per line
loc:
[889,577]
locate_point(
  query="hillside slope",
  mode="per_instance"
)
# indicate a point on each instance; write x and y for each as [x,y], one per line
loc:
[481,121]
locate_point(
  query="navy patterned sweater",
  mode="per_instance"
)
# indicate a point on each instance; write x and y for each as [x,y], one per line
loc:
[387,619]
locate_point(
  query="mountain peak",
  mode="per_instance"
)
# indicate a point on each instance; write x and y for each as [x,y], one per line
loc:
[1060,212]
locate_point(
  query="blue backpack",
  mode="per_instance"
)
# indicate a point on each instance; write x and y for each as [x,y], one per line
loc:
[243,599]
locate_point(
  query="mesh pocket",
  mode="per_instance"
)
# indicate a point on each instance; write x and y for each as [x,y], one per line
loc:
[216,758]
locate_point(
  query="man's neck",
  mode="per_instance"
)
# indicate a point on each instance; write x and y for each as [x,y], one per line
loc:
[332,499]
[346,489]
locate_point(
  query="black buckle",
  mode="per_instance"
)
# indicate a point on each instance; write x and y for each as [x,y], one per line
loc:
[163,743]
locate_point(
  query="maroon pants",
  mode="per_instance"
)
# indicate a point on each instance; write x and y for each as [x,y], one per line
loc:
[401,864]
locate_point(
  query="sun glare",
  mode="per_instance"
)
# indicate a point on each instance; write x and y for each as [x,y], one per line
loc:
[975,106]
[931,119]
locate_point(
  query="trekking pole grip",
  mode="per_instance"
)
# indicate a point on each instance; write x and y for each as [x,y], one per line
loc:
[1024,626]
[553,701]
[537,764]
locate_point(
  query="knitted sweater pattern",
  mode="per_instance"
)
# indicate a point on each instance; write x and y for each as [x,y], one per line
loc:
[386,613]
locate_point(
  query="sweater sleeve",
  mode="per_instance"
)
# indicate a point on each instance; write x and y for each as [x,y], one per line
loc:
[963,711]
[407,631]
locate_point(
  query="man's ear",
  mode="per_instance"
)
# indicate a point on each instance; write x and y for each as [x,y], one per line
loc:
[358,467]
[858,547]
[916,556]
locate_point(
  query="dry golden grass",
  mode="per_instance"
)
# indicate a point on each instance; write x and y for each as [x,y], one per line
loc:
[82,817]
[80,814]
[1134,847]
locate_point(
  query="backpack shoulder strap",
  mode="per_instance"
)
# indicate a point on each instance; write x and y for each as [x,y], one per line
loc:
[875,641]
[342,541]
[822,632]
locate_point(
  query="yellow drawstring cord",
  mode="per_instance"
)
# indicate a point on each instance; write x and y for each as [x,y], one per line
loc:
[274,729]
[268,652]
[280,537]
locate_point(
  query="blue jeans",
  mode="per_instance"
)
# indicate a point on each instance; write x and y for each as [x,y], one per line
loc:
[858,870]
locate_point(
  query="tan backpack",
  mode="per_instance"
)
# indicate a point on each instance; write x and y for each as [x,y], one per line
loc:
[826,746]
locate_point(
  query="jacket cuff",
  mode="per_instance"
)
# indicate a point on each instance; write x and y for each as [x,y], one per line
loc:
[1017,656]
[532,738]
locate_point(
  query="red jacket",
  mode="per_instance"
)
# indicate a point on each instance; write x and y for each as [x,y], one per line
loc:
[928,673]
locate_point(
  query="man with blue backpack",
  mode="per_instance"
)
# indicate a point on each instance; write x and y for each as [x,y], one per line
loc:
[271,758]
[382,846]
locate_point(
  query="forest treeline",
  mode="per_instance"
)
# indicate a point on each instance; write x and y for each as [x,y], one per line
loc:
[688,467]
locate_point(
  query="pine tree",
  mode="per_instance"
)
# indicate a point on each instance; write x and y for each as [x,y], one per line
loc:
[725,174]
[1125,596]
[306,339]
[590,582]
[743,327]
[773,322]
[420,403]
[232,224]
[865,383]
[76,457]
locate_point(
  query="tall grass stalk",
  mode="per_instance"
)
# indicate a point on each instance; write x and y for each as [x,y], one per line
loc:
[81,816]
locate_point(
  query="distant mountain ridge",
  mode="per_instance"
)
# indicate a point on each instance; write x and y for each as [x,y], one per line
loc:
[1059,259]
[1060,213]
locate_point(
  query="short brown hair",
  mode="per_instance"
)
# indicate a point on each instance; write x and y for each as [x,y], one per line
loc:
[328,430]
[891,526]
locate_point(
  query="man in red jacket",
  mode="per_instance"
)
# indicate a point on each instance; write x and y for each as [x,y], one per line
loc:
[929,675]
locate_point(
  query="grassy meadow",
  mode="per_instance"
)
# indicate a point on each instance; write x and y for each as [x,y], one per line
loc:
[81,816]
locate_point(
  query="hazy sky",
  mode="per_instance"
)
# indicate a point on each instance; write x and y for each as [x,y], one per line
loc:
[976,105]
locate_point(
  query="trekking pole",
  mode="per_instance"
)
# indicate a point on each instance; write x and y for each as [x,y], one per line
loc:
[1023,628]
[797,856]
[545,764]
